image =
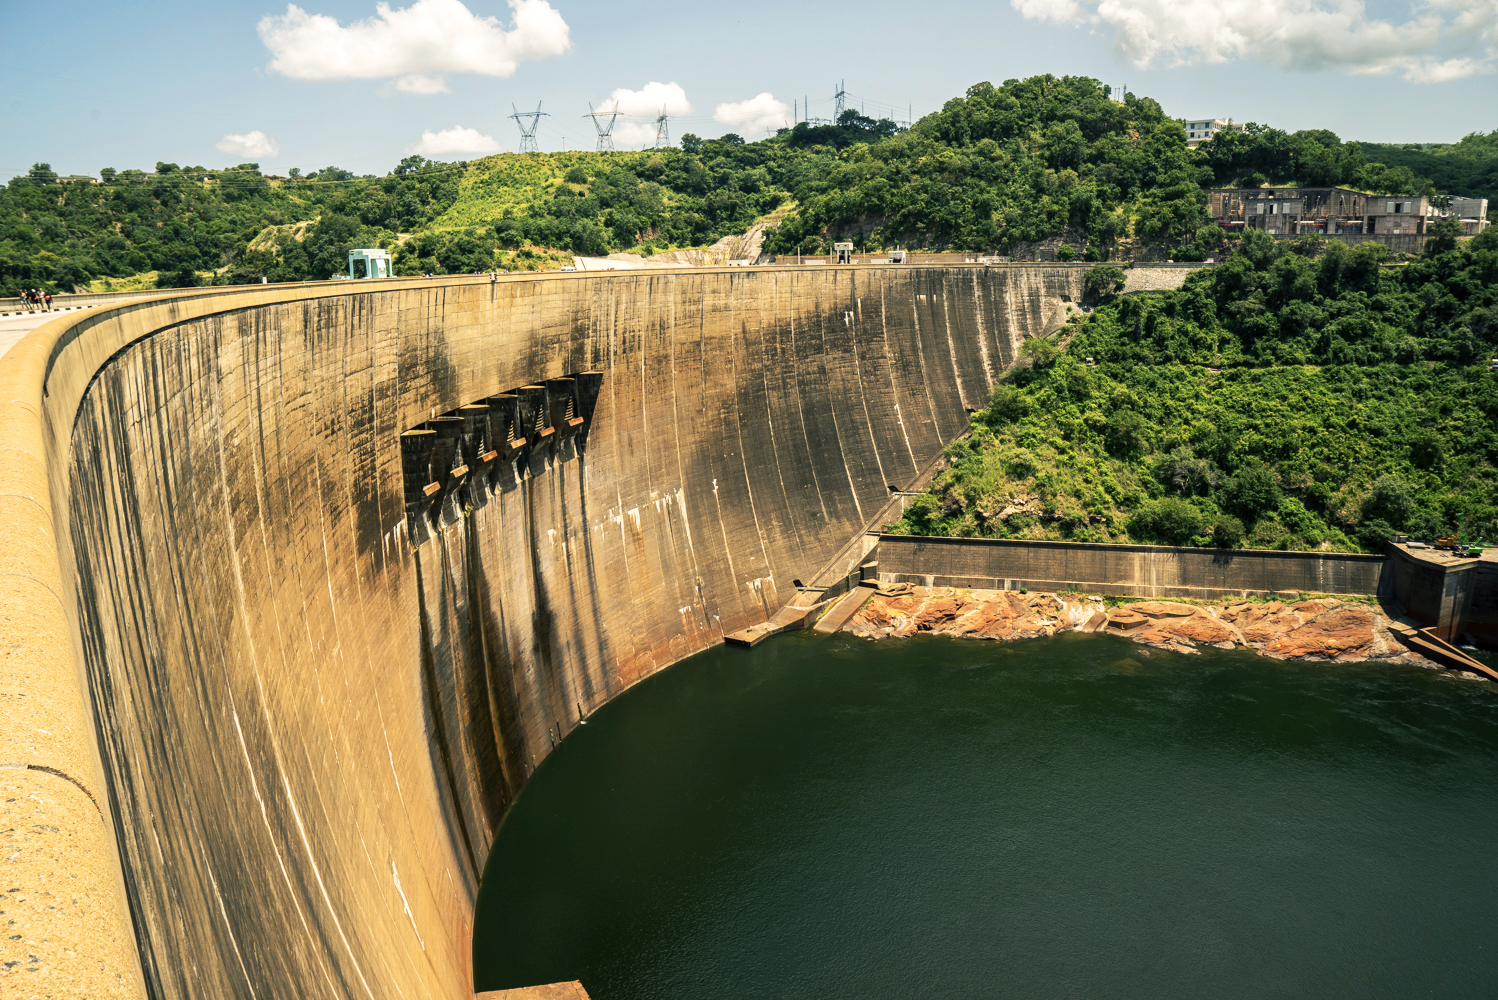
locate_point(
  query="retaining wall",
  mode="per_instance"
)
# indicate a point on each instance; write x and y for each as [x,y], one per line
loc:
[1122,570]
[299,728]
[1457,598]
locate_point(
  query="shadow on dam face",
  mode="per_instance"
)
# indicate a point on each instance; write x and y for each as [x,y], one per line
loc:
[303,722]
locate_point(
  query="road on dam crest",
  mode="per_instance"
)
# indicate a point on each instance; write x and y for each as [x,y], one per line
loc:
[269,694]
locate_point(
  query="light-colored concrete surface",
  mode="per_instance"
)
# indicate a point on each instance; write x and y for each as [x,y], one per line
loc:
[553,991]
[311,727]
[13,328]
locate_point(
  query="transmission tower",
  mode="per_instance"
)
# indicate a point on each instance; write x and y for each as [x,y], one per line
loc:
[528,132]
[662,134]
[605,131]
[840,98]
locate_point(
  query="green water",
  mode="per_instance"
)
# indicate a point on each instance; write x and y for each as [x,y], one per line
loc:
[824,817]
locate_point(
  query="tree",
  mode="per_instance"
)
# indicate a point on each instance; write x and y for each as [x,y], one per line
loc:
[1227,532]
[1443,234]
[690,144]
[1391,501]
[42,173]
[1127,433]
[1041,352]
[1103,281]
[1170,521]
[1252,490]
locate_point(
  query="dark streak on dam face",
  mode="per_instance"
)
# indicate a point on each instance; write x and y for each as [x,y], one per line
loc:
[311,726]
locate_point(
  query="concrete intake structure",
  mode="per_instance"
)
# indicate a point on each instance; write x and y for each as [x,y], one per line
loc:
[230,662]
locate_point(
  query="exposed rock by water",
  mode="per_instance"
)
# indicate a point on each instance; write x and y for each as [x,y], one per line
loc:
[1320,629]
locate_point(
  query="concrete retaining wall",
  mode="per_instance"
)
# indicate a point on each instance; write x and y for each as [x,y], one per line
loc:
[311,728]
[1122,570]
[1457,598]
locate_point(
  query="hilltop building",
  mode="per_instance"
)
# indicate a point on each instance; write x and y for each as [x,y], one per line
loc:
[1200,131]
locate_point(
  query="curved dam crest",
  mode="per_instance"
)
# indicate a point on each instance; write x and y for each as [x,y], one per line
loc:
[310,728]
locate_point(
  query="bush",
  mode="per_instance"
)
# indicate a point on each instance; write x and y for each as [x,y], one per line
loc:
[1170,521]
[1373,535]
[1041,352]
[577,175]
[1127,433]
[1252,490]
[923,513]
[1065,253]
[1391,502]
[1183,473]
[1425,448]
[1007,405]
[1227,532]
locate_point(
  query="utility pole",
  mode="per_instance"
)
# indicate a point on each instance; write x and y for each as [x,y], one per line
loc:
[662,134]
[528,132]
[605,132]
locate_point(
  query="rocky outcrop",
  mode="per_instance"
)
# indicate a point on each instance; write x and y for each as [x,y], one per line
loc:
[1321,629]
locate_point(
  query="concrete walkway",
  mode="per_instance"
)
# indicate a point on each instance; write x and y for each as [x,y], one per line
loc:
[13,328]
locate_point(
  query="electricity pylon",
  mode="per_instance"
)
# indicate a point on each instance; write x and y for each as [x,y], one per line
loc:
[840,98]
[528,133]
[605,132]
[662,135]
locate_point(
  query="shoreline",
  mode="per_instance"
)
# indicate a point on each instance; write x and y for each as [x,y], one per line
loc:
[1321,629]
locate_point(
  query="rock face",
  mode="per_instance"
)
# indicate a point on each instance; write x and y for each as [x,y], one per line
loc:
[1322,629]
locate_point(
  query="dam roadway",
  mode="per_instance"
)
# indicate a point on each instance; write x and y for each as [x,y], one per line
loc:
[265,704]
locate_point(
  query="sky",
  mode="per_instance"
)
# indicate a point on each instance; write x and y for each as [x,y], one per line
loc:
[359,85]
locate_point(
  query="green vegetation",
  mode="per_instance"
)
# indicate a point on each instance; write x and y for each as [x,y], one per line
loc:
[1283,399]
[1468,168]
[1002,168]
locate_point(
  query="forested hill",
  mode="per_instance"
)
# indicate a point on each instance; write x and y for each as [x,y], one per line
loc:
[1298,396]
[1000,168]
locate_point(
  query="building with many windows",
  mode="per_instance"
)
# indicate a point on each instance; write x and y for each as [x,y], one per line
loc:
[1200,131]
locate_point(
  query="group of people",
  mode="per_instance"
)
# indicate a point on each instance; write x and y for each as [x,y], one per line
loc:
[35,298]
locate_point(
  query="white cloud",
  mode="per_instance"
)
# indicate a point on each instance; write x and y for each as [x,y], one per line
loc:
[416,44]
[421,85]
[645,105]
[250,146]
[1430,46]
[454,141]
[755,115]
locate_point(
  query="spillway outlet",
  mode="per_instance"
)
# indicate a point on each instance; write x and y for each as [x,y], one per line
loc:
[452,463]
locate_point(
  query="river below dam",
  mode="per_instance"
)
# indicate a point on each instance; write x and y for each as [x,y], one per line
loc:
[826,817]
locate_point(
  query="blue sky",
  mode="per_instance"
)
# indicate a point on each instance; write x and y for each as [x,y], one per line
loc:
[334,82]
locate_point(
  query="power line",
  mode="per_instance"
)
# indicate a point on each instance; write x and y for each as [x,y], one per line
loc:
[528,133]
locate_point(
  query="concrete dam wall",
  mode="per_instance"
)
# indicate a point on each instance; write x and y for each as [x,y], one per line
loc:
[299,686]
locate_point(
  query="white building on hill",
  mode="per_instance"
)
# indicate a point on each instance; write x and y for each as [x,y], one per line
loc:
[1198,132]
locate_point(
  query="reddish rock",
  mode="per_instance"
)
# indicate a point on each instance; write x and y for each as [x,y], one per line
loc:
[1347,633]
[1245,613]
[1199,628]
[1327,629]
[1308,608]
[1162,609]
[1127,620]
